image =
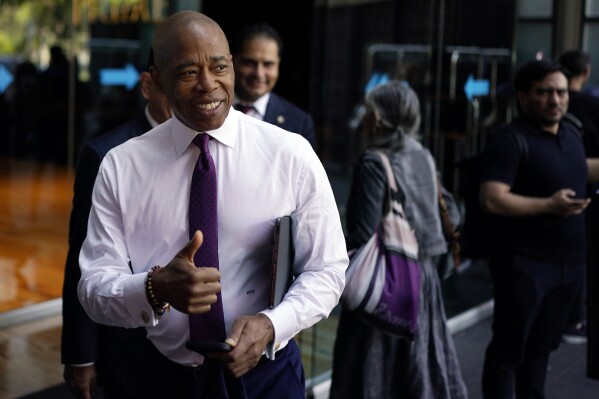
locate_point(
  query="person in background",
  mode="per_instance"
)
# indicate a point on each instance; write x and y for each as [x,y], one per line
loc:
[578,64]
[110,356]
[54,94]
[145,262]
[584,319]
[256,59]
[585,107]
[367,362]
[537,264]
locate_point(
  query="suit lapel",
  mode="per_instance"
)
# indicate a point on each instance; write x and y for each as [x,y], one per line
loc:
[274,111]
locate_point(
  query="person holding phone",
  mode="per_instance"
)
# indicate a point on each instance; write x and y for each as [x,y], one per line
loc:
[540,248]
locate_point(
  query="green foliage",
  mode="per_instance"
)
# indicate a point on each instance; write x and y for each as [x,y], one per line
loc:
[29,24]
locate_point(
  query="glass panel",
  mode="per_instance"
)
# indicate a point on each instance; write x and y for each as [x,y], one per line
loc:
[535,8]
[37,73]
[591,45]
[52,100]
[591,8]
[533,41]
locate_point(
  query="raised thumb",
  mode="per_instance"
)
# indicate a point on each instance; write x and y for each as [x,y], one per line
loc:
[192,246]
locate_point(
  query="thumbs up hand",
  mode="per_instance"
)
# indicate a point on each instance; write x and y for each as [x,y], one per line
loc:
[188,288]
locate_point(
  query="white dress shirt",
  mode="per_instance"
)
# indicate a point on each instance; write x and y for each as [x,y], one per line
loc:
[259,107]
[149,117]
[140,215]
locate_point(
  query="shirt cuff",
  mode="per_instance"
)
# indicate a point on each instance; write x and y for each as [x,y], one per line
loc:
[136,301]
[283,326]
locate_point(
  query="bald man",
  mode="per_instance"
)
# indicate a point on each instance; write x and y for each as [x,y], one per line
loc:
[137,262]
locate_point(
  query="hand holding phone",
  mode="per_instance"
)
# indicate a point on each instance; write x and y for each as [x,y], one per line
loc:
[206,347]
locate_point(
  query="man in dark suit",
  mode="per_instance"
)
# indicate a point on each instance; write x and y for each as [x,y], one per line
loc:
[256,59]
[88,349]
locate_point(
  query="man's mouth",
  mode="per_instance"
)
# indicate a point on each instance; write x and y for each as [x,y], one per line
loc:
[209,106]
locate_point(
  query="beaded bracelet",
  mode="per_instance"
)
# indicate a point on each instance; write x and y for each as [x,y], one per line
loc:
[159,307]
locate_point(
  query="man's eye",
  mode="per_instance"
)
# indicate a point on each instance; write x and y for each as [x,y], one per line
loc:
[548,92]
[186,75]
[247,63]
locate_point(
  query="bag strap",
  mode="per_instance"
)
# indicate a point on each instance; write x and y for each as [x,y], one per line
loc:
[450,232]
[389,170]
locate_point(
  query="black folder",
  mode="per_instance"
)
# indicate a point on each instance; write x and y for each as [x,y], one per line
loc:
[282,261]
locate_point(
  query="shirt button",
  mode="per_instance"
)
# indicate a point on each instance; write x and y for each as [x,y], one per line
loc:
[145,316]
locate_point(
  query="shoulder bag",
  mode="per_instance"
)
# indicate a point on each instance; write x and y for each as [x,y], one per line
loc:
[383,278]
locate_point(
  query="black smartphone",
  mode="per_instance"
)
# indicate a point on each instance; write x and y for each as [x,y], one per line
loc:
[205,347]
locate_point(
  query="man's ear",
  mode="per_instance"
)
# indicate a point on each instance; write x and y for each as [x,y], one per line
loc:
[147,85]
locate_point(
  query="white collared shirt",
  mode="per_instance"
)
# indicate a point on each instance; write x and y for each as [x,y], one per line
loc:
[140,215]
[149,117]
[259,107]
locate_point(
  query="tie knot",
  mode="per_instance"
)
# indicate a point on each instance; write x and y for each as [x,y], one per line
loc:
[201,140]
[245,108]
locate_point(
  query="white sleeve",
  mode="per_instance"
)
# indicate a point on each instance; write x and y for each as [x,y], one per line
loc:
[108,291]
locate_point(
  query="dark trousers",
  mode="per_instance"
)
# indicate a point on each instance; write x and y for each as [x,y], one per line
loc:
[592,290]
[121,368]
[579,310]
[270,379]
[533,300]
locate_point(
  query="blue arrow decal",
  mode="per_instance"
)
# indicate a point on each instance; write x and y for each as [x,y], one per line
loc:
[5,78]
[476,87]
[127,76]
[376,79]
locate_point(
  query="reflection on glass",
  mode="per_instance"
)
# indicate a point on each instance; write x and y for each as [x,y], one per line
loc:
[591,8]
[533,39]
[535,8]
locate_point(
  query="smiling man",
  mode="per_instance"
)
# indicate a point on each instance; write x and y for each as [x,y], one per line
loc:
[217,170]
[536,185]
[256,58]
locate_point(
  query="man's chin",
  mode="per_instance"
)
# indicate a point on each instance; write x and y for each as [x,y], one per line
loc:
[552,119]
[249,96]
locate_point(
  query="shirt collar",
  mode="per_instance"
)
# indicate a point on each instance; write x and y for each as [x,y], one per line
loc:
[259,105]
[151,120]
[184,135]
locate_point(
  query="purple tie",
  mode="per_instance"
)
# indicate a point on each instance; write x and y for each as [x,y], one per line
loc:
[208,326]
[245,108]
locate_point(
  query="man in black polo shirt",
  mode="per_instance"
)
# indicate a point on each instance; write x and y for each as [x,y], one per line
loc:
[539,194]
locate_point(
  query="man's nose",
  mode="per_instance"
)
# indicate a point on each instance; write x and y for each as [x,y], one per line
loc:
[206,82]
[260,70]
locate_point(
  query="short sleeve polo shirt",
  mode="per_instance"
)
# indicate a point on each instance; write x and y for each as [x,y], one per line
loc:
[553,162]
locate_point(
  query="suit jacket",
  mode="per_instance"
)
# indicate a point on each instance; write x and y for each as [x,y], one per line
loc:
[84,341]
[282,113]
